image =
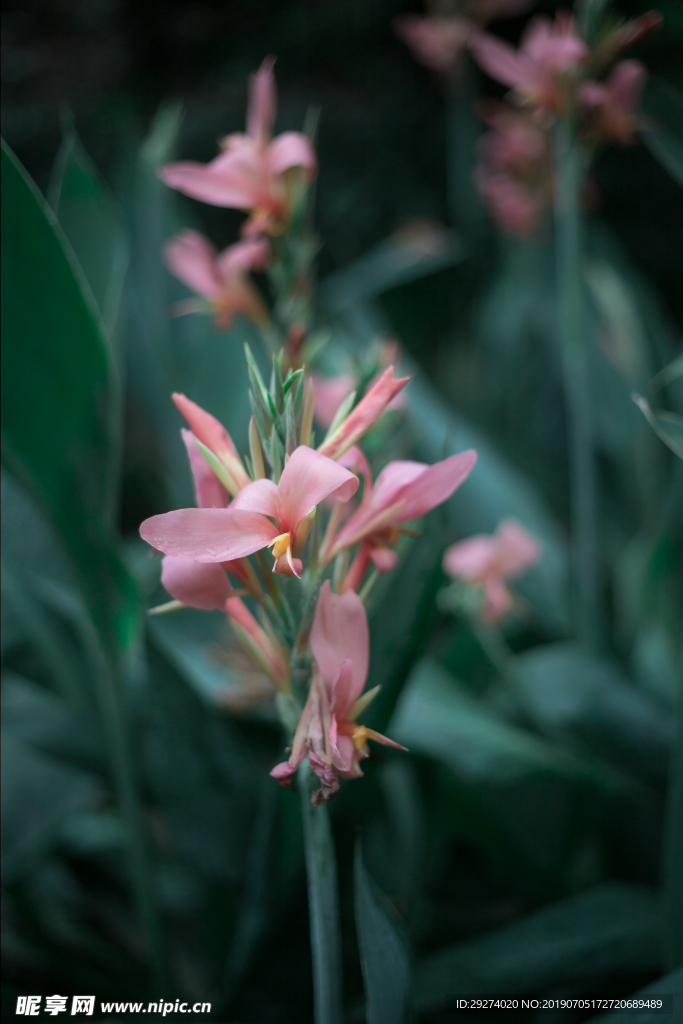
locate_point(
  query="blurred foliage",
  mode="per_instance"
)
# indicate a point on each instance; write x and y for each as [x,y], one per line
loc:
[532,841]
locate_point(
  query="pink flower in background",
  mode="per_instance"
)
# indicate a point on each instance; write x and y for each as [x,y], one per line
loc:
[487,561]
[511,205]
[613,103]
[250,173]
[220,279]
[549,56]
[439,41]
[368,410]
[219,535]
[327,731]
[328,395]
[402,492]
[214,436]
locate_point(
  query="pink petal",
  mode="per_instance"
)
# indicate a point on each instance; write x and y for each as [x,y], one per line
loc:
[369,409]
[196,584]
[384,558]
[516,550]
[291,149]
[250,254]
[347,752]
[306,480]
[435,485]
[626,84]
[262,103]
[213,434]
[498,601]
[208,534]
[259,496]
[209,492]
[257,641]
[472,558]
[340,632]
[198,182]
[192,258]
[501,61]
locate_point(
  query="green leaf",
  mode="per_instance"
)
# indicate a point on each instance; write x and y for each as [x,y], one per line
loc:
[57,416]
[437,718]
[572,693]
[384,954]
[323,906]
[667,425]
[38,796]
[608,930]
[88,216]
[663,107]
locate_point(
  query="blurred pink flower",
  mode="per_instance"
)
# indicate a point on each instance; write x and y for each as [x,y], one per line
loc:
[548,58]
[511,205]
[487,561]
[402,492]
[250,173]
[438,41]
[369,409]
[327,731]
[219,535]
[220,279]
[328,395]
[613,103]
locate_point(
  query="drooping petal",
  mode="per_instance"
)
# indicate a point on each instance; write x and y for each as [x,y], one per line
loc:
[196,584]
[213,434]
[368,410]
[383,558]
[208,534]
[516,550]
[209,492]
[259,496]
[501,61]
[192,258]
[306,480]
[229,188]
[340,632]
[291,149]
[249,254]
[435,485]
[262,106]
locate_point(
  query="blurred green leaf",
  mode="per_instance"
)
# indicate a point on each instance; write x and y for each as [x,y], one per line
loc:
[87,215]
[435,717]
[663,107]
[57,416]
[573,693]
[667,425]
[384,955]
[612,929]
[38,795]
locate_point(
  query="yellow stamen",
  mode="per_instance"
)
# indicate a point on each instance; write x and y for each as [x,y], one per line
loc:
[280,545]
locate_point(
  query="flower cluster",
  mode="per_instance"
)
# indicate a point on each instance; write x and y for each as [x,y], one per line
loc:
[554,74]
[329,528]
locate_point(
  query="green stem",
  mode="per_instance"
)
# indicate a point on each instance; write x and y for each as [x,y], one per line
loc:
[573,341]
[323,909]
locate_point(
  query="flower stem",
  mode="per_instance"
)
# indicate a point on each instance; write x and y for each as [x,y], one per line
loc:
[573,342]
[323,909]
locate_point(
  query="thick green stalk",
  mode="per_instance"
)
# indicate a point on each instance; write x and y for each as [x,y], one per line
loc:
[323,908]
[573,341]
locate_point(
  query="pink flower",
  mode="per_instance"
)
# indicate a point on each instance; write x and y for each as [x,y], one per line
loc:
[209,432]
[368,410]
[221,279]
[403,491]
[219,535]
[327,731]
[547,60]
[614,102]
[511,204]
[487,561]
[250,174]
